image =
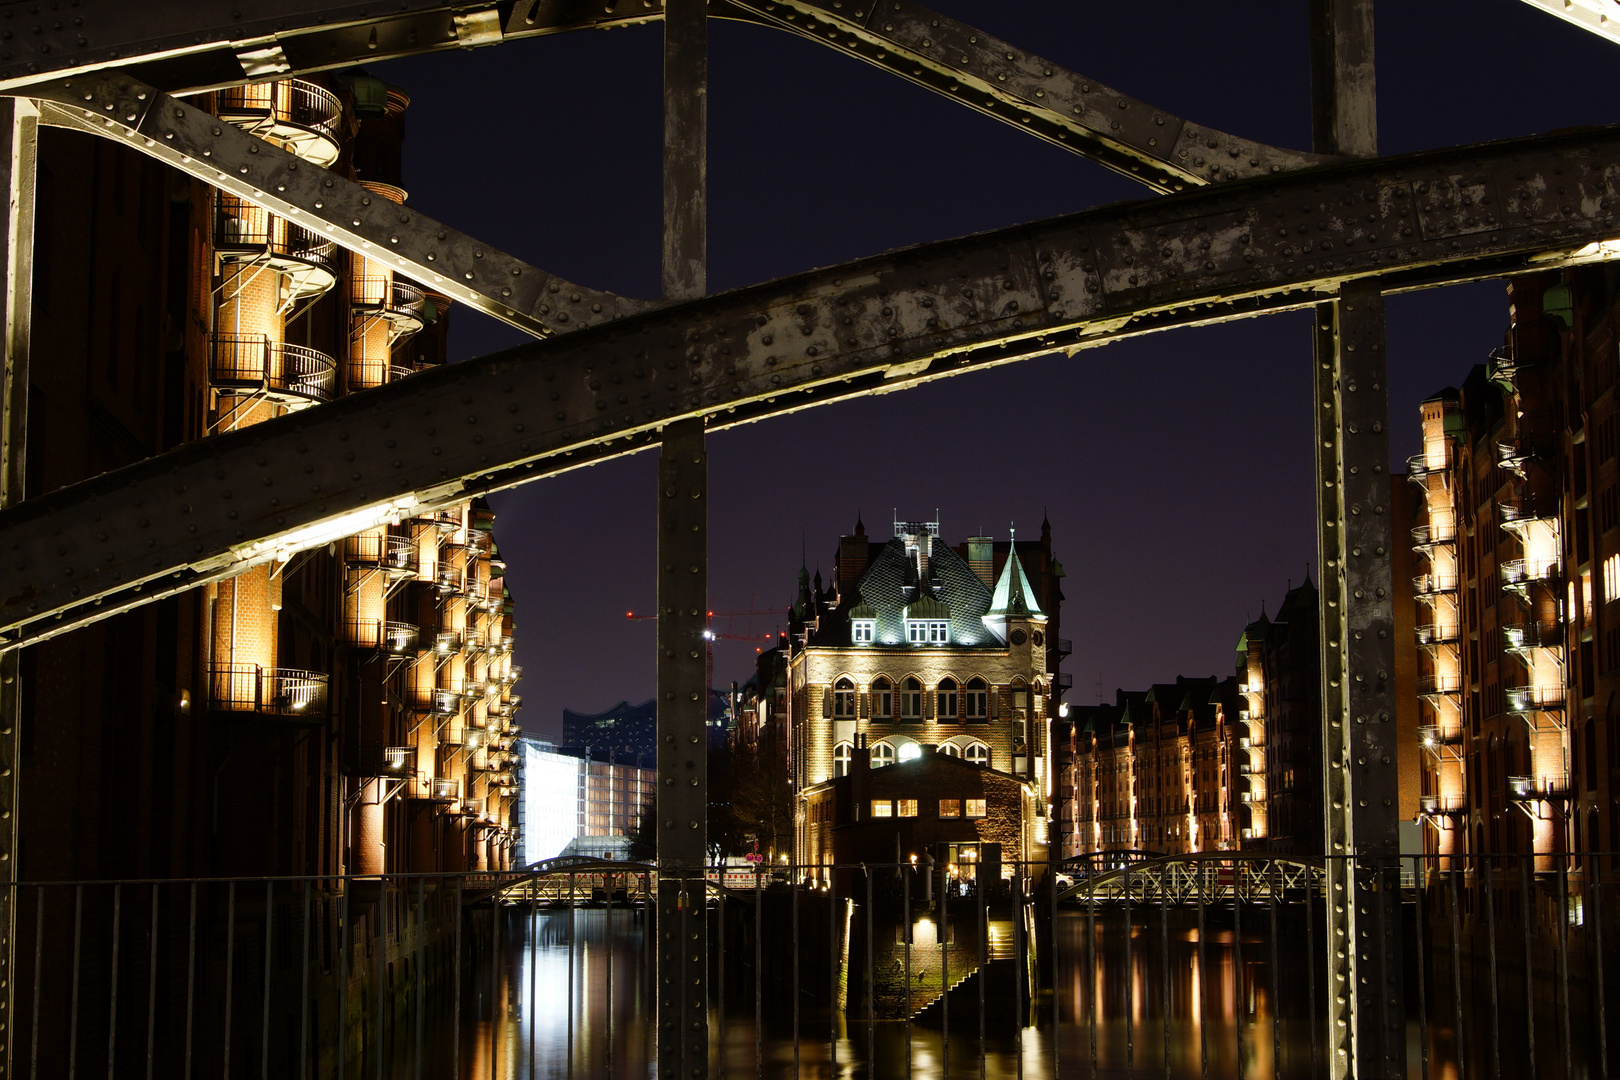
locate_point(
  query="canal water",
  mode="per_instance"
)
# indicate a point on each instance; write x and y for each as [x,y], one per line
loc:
[568,997]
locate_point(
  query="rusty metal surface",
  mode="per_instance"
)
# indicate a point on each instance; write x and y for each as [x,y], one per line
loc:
[128,111]
[210,508]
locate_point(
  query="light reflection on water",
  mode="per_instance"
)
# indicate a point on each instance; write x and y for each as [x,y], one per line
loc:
[577,1006]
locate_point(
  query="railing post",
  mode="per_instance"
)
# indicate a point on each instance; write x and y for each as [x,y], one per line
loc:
[683,693]
[1366,1014]
[19,131]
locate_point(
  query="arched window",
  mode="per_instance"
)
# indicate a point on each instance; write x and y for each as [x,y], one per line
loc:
[978,701]
[882,701]
[841,757]
[1020,699]
[844,699]
[950,749]
[909,751]
[911,699]
[978,754]
[947,711]
[882,754]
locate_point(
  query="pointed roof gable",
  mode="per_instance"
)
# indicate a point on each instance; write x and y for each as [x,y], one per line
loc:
[1013,595]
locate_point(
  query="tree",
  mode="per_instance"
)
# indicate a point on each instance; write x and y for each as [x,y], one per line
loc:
[761,801]
[644,837]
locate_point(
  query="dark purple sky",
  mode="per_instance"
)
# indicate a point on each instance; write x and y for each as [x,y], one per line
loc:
[1175,469]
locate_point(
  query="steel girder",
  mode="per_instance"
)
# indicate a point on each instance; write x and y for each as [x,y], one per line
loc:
[126,110]
[192,46]
[1601,17]
[211,508]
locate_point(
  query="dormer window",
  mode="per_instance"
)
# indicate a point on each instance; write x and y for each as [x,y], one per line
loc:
[862,631]
[928,631]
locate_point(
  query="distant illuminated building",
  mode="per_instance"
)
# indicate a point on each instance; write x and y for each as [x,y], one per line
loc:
[580,803]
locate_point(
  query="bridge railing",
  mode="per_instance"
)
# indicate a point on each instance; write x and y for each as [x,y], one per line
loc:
[1159,963]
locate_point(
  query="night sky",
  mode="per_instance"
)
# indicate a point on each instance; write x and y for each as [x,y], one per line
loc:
[1175,469]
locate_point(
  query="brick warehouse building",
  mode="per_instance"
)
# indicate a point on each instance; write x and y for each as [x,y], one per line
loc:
[917,644]
[348,710]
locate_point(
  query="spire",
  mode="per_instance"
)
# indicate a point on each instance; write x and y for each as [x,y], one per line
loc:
[1013,594]
[860,526]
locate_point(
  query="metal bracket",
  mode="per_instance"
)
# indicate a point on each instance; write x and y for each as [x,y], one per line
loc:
[121,108]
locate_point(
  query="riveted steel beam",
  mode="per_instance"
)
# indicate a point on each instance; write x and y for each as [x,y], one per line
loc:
[1035,95]
[210,508]
[187,47]
[126,110]
[683,578]
[1600,17]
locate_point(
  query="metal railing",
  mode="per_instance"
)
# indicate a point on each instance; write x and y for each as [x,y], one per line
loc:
[1439,684]
[1181,966]
[1524,571]
[1437,633]
[242,228]
[385,635]
[285,692]
[1430,584]
[389,297]
[1434,533]
[254,362]
[296,102]
[1533,698]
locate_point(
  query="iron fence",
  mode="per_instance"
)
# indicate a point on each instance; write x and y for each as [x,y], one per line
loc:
[955,964]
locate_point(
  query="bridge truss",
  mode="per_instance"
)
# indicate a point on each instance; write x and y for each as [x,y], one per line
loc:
[1239,229]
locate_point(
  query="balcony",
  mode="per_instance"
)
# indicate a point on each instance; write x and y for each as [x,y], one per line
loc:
[449,580]
[1523,699]
[397,372]
[294,375]
[397,762]
[384,635]
[1434,532]
[247,235]
[1519,573]
[394,553]
[1514,454]
[1439,806]
[446,702]
[1438,633]
[446,642]
[447,519]
[402,305]
[447,791]
[294,112]
[1418,470]
[1527,510]
[1434,584]
[1503,369]
[1536,789]
[1432,684]
[1518,637]
[291,693]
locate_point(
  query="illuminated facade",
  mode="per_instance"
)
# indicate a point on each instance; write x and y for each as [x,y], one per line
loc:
[349,710]
[580,802]
[918,644]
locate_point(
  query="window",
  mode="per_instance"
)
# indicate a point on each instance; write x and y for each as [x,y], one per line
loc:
[844,699]
[882,808]
[928,631]
[975,808]
[950,749]
[908,807]
[909,751]
[911,699]
[882,754]
[946,713]
[842,753]
[950,808]
[978,701]
[1608,509]
[882,699]
[978,754]
[1611,578]
[1020,699]
[862,630]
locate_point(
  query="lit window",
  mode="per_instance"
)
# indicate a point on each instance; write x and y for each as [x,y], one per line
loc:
[908,807]
[950,750]
[946,713]
[1611,578]
[911,699]
[882,754]
[844,699]
[882,699]
[975,807]
[928,631]
[862,630]
[978,754]
[978,701]
[882,808]
[950,808]
[842,753]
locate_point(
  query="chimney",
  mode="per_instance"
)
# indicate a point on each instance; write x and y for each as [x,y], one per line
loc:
[852,558]
[982,558]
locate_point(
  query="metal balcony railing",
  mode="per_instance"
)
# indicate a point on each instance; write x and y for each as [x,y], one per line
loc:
[1534,698]
[244,233]
[249,688]
[447,702]
[1433,735]
[293,374]
[1439,684]
[1433,532]
[1525,510]
[442,790]
[1418,469]
[446,519]
[1440,805]
[384,635]
[395,553]
[397,372]
[294,111]
[446,642]
[1516,637]
[394,300]
[449,580]
[1437,633]
[1516,572]
[1531,788]
[1433,584]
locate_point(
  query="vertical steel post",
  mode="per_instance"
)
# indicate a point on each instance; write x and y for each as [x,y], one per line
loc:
[19,131]
[1366,1014]
[683,576]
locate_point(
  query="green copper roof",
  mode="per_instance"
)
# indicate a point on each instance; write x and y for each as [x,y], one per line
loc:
[1013,595]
